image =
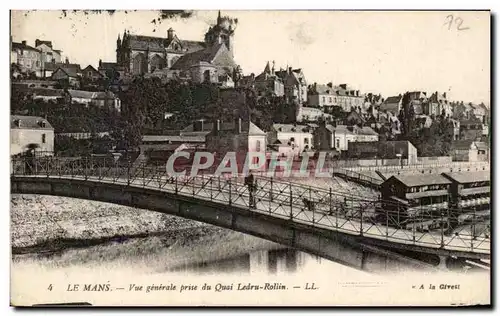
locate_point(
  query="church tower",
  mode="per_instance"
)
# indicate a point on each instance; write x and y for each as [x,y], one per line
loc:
[222,32]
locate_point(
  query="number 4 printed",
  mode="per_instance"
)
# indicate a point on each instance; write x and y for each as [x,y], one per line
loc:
[50,287]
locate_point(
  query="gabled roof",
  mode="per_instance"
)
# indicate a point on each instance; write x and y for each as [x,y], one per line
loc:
[394,99]
[255,130]
[30,122]
[205,55]
[70,72]
[469,177]
[91,68]
[415,180]
[40,42]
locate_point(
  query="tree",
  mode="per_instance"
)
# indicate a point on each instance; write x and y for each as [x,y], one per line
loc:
[406,116]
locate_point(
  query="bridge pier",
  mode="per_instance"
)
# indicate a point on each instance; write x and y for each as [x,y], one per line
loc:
[442,262]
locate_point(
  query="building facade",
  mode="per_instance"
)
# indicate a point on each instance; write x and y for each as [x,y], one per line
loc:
[415,201]
[292,138]
[329,96]
[340,137]
[295,84]
[240,137]
[29,59]
[30,131]
[268,83]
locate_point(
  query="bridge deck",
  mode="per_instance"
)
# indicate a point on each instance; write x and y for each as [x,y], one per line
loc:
[285,201]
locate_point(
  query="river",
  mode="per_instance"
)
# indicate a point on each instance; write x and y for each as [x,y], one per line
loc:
[178,250]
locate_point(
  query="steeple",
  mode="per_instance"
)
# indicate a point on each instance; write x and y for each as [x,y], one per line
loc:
[267,70]
[219,19]
[272,69]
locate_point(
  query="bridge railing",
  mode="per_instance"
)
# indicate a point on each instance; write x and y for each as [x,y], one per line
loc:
[438,226]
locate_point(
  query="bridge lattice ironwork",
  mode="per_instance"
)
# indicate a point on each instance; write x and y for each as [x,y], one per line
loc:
[317,207]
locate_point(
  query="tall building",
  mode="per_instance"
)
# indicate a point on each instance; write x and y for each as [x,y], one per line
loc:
[295,85]
[28,58]
[140,54]
[268,83]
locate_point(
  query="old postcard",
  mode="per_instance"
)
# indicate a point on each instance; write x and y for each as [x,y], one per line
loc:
[250,158]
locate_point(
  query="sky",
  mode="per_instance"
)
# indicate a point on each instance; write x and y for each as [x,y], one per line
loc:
[387,52]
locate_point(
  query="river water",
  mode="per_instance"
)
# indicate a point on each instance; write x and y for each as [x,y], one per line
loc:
[234,253]
[231,260]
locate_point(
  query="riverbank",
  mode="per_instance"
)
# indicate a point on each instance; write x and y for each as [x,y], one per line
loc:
[48,224]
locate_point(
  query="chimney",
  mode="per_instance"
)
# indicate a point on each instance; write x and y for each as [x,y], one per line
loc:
[24,43]
[170,34]
[100,63]
[237,125]
[289,70]
[444,95]
[216,128]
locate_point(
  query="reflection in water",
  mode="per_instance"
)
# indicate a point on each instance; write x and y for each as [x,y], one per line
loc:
[275,261]
[234,253]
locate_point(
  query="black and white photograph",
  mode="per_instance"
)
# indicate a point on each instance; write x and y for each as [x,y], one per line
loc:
[250,158]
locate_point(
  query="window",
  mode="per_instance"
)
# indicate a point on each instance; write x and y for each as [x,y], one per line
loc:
[324,99]
[337,143]
[44,140]
[306,140]
[330,99]
[257,146]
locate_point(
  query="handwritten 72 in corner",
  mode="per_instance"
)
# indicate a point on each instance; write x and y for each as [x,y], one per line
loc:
[458,21]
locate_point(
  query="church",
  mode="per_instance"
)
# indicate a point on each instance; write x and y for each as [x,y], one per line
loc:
[201,61]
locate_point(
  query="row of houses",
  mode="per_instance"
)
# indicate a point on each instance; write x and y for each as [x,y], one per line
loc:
[243,136]
[34,59]
[89,98]
[437,104]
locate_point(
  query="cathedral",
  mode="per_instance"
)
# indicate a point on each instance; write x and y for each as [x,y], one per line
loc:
[202,61]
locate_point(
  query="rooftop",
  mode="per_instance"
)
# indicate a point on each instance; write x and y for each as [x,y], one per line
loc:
[394,99]
[23,46]
[203,55]
[469,177]
[291,128]
[173,138]
[415,180]
[29,122]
